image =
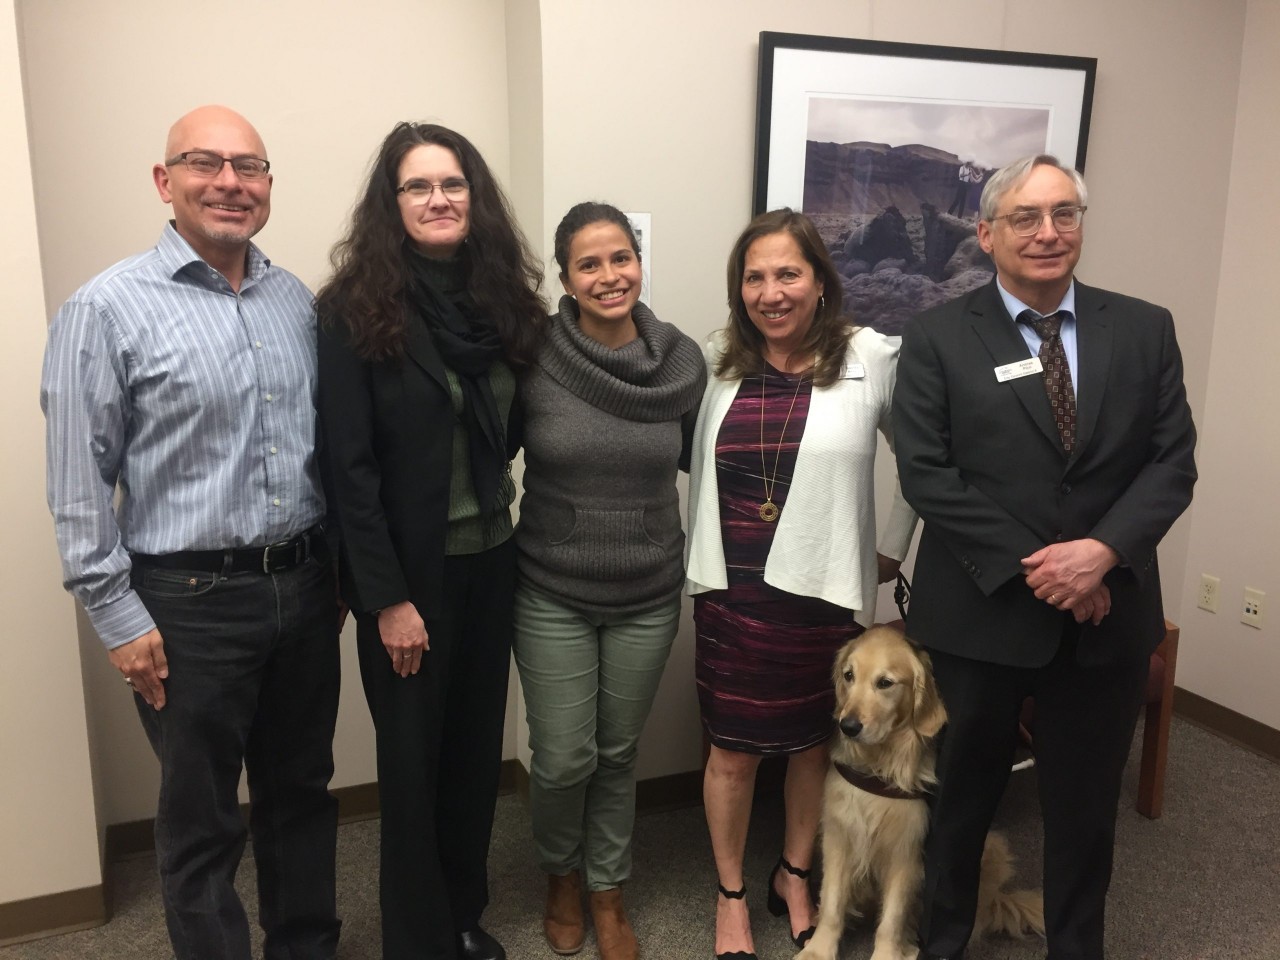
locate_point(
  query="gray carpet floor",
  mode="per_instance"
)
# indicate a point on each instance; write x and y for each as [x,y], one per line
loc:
[1201,883]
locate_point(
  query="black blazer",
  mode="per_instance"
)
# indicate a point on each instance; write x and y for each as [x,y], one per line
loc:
[386,460]
[982,464]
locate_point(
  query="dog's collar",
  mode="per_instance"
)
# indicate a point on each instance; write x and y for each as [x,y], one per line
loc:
[873,784]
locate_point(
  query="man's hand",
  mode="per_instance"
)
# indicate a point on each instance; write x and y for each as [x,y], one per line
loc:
[1093,607]
[886,567]
[404,636]
[1065,574]
[143,665]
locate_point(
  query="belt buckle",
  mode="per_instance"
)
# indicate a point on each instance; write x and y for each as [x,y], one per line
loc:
[278,556]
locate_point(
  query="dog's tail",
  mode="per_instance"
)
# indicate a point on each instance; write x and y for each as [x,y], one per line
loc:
[1013,912]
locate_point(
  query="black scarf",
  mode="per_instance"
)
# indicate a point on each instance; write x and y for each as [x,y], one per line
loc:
[469,345]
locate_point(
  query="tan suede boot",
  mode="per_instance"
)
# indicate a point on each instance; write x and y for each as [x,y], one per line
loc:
[564,923]
[615,940]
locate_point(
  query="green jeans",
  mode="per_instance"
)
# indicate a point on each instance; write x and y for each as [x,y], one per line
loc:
[589,680]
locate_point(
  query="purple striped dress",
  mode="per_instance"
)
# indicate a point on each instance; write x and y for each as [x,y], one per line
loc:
[763,656]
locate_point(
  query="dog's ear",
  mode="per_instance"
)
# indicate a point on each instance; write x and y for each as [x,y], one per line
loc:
[837,668]
[930,715]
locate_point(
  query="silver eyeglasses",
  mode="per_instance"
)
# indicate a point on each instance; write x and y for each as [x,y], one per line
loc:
[204,163]
[1026,223]
[420,191]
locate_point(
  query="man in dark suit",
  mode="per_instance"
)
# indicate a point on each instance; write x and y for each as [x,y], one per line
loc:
[1043,435]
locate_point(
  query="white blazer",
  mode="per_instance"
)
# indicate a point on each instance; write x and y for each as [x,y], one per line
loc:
[825,544]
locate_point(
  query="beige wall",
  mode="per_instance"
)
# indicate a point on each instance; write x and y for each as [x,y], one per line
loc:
[650,106]
[48,834]
[680,78]
[525,187]
[323,82]
[1235,532]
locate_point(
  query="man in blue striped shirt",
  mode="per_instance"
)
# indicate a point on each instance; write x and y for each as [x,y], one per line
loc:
[183,380]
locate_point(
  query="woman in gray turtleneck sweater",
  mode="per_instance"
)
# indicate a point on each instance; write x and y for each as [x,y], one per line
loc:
[610,410]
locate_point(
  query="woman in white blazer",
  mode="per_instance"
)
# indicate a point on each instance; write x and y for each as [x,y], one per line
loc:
[782,555]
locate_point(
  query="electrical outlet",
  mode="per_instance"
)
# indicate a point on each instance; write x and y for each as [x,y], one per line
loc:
[1208,597]
[1252,614]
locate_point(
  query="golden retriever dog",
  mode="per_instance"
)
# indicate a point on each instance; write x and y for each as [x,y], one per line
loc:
[874,816]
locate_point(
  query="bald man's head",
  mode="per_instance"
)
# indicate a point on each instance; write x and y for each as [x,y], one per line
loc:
[217,214]
[201,122]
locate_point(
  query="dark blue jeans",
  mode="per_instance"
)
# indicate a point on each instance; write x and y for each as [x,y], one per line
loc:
[253,680]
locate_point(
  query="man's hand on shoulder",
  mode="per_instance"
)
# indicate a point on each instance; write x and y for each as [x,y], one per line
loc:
[143,665]
[1068,575]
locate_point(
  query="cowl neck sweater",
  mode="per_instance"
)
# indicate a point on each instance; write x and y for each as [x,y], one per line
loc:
[651,379]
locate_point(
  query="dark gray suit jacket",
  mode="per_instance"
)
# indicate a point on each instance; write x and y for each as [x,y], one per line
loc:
[982,464]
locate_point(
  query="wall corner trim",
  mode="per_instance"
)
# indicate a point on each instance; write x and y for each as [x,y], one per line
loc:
[52,914]
[1234,727]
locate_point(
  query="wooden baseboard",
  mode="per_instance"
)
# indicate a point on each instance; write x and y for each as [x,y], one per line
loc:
[24,920]
[519,779]
[672,792]
[1236,727]
[136,838]
[655,794]
[358,802]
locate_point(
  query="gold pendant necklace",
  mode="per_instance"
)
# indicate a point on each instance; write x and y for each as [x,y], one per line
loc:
[769,510]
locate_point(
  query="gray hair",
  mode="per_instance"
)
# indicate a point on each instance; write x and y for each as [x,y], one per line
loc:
[1010,177]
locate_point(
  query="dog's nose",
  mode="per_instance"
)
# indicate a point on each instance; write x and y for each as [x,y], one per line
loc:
[850,726]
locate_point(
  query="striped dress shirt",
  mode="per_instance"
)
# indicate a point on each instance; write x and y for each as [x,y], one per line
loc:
[196,403]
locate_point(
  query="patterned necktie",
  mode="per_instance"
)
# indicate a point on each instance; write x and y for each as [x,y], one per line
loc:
[1057,374]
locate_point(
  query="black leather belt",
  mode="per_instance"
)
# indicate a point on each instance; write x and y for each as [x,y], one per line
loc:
[273,558]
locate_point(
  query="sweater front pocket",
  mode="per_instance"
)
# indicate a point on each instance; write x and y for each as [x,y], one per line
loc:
[606,545]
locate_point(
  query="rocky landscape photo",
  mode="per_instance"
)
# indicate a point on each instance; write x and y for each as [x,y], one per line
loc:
[900,217]
[881,212]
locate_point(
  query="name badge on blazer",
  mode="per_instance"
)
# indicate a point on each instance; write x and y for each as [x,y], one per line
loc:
[854,371]
[1023,368]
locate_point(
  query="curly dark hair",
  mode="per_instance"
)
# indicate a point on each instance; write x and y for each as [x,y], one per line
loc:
[828,338]
[583,215]
[366,292]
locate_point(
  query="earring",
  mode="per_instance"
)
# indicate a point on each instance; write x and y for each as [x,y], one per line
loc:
[822,302]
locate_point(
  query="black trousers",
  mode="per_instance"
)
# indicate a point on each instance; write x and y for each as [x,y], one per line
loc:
[1084,723]
[439,736]
[253,680]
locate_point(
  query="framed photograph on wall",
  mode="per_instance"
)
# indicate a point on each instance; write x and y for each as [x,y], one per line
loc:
[886,146]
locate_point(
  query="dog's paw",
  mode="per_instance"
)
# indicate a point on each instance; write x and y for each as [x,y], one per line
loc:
[894,951]
[817,949]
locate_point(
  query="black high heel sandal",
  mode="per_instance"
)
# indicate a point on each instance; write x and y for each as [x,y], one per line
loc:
[736,954]
[778,904]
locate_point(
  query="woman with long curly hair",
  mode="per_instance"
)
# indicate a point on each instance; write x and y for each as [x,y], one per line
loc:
[432,310]
[783,562]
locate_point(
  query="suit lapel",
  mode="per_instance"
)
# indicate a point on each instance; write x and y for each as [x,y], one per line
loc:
[999,333]
[424,353]
[1095,335]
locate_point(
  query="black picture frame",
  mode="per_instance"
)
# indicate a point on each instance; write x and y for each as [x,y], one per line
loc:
[827,111]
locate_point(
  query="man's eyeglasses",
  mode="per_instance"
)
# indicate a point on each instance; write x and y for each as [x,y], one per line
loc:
[202,163]
[1026,223]
[420,191]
